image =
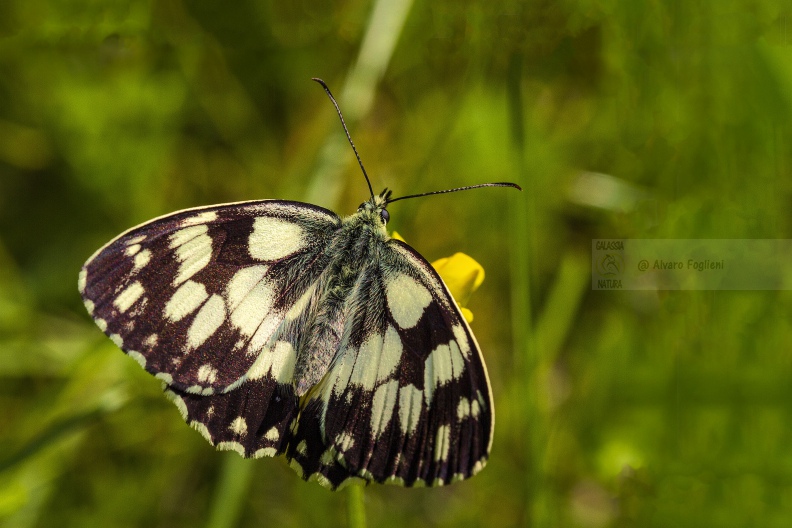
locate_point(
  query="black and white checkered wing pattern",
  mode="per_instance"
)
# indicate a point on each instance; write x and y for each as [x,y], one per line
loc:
[407,398]
[196,298]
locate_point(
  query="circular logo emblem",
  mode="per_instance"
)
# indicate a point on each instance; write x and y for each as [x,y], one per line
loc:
[610,264]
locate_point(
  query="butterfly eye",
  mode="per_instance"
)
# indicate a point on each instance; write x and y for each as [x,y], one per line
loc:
[385,216]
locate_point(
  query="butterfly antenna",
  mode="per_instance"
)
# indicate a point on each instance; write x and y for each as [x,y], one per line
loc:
[496,184]
[330,95]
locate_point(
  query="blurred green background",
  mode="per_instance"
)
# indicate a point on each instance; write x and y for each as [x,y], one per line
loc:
[657,119]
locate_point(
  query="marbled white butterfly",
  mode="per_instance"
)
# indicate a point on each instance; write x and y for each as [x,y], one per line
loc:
[279,328]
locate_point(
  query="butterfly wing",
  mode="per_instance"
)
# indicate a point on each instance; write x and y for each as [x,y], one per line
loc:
[407,399]
[196,298]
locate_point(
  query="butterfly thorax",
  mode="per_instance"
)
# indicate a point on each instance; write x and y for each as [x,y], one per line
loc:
[367,219]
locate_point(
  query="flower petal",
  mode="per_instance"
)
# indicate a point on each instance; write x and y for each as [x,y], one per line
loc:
[467,314]
[462,274]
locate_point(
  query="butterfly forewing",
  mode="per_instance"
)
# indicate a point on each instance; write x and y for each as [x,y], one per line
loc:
[196,295]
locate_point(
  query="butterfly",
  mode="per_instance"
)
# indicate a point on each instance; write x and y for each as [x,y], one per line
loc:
[277,327]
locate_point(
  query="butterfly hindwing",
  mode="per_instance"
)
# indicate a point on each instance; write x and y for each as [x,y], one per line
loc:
[252,420]
[407,399]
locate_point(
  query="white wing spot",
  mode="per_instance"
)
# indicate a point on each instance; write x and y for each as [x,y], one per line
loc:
[266,451]
[461,338]
[137,356]
[442,443]
[296,467]
[345,441]
[321,480]
[457,361]
[343,370]
[363,374]
[382,407]
[265,331]
[463,409]
[429,383]
[274,238]
[407,299]
[132,250]
[201,428]
[178,401]
[136,240]
[302,447]
[393,480]
[89,305]
[272,435]
[207,373]
[129,296]
[444,364]
[390,355]
[250,299]
[277,361]
[115,338]
[193,250]
[201,218]
[375,361]
[475,409]
[82,279]
[329,456]
[182,236]
[142,259]
[102,324]
[409,408]
[239,426]
[231,446]
[206,323]
[187,298]
[243,282]
[151,341]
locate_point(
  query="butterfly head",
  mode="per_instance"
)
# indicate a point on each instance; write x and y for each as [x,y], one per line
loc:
[375,208]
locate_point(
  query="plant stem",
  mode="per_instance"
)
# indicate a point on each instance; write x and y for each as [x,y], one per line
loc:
[231,492]
[356,507]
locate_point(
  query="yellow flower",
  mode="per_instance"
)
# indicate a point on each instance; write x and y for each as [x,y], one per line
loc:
[461,273]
